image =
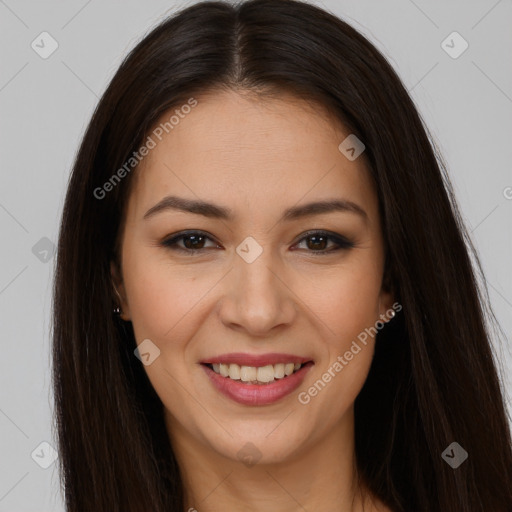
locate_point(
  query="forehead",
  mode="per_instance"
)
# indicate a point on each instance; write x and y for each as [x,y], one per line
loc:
[249,153]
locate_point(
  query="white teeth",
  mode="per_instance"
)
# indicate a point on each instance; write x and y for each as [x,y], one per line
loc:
[253,374]
[265,373]
[234,372]
[248,373]
[278,371]
[288,368]
[224,369]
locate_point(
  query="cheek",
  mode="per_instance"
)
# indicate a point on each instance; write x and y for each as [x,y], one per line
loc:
[165,304]
[347,302]
[348,306]
[162,297]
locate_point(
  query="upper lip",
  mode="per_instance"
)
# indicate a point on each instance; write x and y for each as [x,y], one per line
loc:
[243,359]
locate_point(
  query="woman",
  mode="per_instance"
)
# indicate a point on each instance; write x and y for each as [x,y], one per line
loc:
[297,324]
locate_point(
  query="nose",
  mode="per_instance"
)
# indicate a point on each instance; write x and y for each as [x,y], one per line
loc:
[258,300]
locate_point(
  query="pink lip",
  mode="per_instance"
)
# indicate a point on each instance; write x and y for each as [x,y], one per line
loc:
[242,359]
[257,394]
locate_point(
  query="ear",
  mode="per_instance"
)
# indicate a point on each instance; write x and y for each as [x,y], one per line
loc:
[119,291]
[386,296]
[386,309]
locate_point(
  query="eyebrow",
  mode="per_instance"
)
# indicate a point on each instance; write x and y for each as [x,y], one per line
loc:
[220,212]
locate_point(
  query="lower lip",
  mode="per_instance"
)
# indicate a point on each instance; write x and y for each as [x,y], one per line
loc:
[257,394]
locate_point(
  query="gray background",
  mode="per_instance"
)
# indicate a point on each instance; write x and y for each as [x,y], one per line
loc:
[46,104]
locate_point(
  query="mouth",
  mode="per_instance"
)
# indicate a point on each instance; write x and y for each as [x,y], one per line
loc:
[256,380]
[256,375]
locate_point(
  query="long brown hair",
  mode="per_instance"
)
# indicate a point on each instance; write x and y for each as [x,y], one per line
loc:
[433,380]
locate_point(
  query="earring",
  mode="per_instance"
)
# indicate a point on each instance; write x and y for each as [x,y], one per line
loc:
[117,309]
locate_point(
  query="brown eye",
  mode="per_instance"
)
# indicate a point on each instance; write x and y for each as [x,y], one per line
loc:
[193,241]
[318,241]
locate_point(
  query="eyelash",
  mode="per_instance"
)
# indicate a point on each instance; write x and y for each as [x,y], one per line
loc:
[341,242]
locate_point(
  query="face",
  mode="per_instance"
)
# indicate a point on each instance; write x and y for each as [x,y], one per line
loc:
[255,280]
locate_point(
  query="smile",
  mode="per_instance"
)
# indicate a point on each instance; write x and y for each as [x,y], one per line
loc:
[256,380]
[254,374]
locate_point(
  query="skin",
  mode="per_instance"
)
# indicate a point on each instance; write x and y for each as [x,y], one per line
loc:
[257,157]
